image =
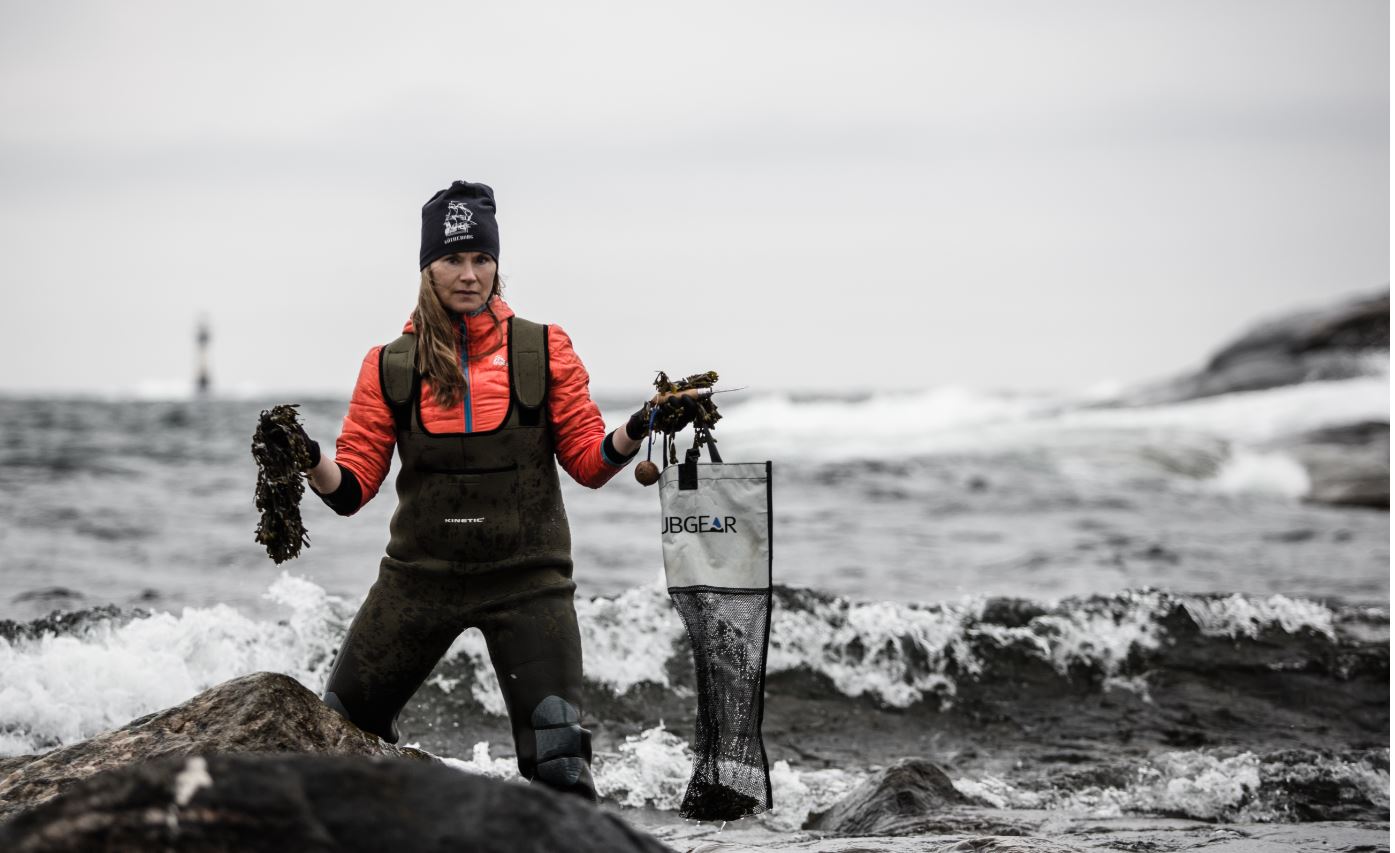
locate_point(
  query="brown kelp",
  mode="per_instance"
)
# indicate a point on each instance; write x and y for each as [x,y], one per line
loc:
[673,410]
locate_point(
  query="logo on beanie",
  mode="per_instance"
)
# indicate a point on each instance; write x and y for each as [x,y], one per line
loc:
[459,219]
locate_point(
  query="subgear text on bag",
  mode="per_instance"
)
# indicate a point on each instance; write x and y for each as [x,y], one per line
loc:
[717,559]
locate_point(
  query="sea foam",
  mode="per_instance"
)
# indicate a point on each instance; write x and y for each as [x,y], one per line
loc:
[1206,785]
[60,689]
[1254,472]
[959,421]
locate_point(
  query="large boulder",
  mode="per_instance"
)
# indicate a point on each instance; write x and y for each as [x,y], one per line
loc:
[313,803]
[1337,342]
[263,712]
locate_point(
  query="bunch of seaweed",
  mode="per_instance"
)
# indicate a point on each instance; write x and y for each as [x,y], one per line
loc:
[676,410]
[280,451]
[686,401]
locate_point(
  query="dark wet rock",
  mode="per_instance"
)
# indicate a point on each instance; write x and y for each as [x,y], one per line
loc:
[1309,785]
[896,801]
[313,803]
[263,712]
[1336,342]
[66,622]
[14,762]
[1356,326]
[1011,612]
[1348,465]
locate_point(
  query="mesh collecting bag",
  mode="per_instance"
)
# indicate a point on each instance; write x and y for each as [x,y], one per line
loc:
[716,543]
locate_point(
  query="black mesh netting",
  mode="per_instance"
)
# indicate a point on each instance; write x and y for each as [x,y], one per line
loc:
[730,630]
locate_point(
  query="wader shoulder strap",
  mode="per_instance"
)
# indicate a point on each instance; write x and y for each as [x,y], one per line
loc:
[528,362]
[397,377]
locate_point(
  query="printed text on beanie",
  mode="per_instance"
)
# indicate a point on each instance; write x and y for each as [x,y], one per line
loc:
[459,218]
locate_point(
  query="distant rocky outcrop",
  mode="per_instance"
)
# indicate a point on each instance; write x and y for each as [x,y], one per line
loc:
[263,712]
[1338,342]
[313,803]
[1348,465]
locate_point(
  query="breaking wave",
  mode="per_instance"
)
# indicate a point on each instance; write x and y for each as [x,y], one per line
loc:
[71,676]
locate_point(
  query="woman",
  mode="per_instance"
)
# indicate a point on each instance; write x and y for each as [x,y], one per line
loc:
[479,402]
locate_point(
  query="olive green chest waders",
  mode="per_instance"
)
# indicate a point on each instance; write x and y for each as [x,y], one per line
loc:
[479,539]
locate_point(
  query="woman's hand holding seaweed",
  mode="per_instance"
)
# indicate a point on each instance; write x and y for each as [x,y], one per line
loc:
[678,410]
[281,439]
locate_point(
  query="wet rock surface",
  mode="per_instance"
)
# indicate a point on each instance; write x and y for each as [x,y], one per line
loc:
[1348,465]
[64,622]
[901,800]
[312,803]
[262,712]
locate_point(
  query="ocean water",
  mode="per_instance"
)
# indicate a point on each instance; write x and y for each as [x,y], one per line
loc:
[1070,607]
[910,497]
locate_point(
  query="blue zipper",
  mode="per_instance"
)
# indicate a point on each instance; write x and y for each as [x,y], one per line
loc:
[465,368]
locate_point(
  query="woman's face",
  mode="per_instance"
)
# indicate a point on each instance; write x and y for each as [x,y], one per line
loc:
[463,280]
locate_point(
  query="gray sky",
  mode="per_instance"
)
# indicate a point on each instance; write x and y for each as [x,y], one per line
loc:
[1026,195]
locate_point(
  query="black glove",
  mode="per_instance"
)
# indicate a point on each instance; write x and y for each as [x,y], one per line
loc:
[687,407]
[674,413]
[282,436]
[637,426]
[312,447]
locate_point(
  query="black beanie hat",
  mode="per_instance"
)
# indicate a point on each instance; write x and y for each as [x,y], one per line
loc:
[459,219]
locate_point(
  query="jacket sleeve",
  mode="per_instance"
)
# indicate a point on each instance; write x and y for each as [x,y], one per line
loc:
[577,428]
[364,448]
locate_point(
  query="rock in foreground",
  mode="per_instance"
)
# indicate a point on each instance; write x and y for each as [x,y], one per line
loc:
[896,801]
[313,803]
[263,712]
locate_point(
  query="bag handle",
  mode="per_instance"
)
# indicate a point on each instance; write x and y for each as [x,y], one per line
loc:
[687,469]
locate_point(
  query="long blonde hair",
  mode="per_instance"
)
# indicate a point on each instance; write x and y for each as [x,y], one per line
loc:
[438,356]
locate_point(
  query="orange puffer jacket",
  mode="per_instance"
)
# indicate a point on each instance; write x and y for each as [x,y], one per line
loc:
[366,442]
